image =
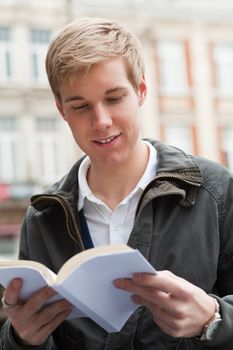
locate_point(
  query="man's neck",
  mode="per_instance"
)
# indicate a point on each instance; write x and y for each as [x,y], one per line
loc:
[112,184]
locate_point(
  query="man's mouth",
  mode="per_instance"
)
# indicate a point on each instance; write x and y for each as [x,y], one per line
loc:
[107,140]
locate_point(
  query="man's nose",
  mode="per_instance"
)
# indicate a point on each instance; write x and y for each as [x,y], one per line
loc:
[101,117]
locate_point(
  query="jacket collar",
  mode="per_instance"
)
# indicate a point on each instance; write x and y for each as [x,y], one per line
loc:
[173,161]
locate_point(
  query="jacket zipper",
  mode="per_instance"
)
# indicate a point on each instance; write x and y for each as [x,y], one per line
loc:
[177,177]
[67,213]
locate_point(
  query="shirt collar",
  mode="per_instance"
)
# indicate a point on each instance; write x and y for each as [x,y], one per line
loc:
[150,172]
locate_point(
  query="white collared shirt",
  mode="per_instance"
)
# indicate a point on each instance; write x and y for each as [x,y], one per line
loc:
[108,226]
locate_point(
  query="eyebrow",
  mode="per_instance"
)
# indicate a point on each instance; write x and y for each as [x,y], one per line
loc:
[110,91]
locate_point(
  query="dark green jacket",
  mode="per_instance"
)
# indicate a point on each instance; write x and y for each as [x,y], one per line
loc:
[184,223]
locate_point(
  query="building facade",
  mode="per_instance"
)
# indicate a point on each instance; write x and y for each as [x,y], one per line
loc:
[189,71]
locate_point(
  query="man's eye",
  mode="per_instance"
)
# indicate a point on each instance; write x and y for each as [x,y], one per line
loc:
[80,107]
[115,98]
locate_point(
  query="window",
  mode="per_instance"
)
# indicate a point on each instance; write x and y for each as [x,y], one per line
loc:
[39,45]
[173,78]
[179,136]
[227,146]
[9,150]
[223,64]
[48,142]
[5,55]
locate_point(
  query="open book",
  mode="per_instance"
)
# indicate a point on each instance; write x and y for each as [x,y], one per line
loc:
[86,280]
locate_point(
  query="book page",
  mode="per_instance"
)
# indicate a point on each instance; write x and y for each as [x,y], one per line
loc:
[90,287]
[33,278]
[88,254]
[26,265]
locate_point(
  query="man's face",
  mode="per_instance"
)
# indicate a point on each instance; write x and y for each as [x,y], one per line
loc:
[102,110]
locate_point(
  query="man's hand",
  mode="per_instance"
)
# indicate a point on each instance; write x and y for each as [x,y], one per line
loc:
[178,307]
[32,321]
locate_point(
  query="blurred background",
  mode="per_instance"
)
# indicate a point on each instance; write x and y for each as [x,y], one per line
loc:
[188,47]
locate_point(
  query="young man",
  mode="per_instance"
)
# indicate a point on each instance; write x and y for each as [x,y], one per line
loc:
[176,209]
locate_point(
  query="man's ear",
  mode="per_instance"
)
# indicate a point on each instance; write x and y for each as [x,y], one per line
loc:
[60,108]
[142,90]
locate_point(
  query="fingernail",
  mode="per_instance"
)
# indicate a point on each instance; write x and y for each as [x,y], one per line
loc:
[51,292]
[136,299]
[119,284]
[16,283]
[66,305]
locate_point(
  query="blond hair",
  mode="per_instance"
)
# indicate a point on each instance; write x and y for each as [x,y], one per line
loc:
[89,41]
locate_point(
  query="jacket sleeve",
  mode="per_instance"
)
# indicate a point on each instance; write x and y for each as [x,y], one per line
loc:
[223,338]
[7,341]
